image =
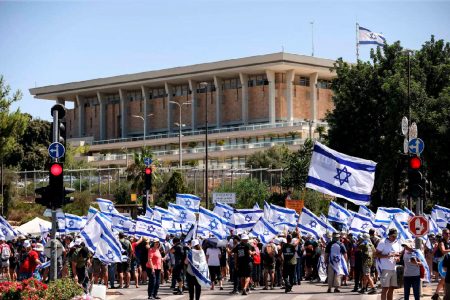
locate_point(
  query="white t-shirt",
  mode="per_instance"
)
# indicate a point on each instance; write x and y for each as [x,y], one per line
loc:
[386,247]
[213,256]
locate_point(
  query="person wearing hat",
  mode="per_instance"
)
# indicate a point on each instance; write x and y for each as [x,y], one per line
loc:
[367,253]
[411,272]
[198,255]
[388,251]
[29,263]
[335,253]
[243,261]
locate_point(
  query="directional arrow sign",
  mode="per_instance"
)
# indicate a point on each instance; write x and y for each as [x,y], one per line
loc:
[147,161]
[416,146]
[56,150]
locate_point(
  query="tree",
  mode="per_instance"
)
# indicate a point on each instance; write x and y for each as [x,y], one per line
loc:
[295,172]
[135,171]
[371,98]
[274,157]
[170,190]
[248,192]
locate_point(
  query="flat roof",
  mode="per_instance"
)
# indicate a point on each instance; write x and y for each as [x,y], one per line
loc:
[280,61]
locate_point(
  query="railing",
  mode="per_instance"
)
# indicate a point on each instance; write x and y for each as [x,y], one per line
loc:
[210,131]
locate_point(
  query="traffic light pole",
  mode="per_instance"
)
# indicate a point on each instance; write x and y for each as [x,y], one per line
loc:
[54,258]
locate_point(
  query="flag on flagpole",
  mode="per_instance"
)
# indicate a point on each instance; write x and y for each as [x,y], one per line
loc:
[189,201]
[213,223]
[309,223]
[106,206]
[6,230]
[341,175]
[360,224]
[264,230]
[181,214]
[366,37]
[364,210]
[338,214]
[74,223]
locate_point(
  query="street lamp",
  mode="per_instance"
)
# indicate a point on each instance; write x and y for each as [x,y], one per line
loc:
[143,120]
[205,84]
[180,125]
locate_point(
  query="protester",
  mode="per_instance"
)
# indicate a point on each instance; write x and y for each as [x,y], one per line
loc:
[193,284]
[367,261]
[242,262]
[411,272]
[177,272]
[213,255]
[446,267]
[388,253]
[100,271]
[442,249]
[336,257]
[154,266]
[29,261]
[80,263]
[124,267]
[5,255]
[269,253]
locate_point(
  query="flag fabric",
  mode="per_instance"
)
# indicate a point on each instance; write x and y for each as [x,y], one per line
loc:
[330,227]
[245,219]
[74,223]
[409,212]
[434,228]
[6,230]
[224,210]
[264,231]
[385,215]
[106,206]
[418,254]
[150,228]
[441,215]
[338,214]
[403,234]
[192,233]
[181,214]
[45,231]
[159,213]
[189,201]
[199,267]
[212,222]
[337,260]
[364,210]
[282,218]
[256,206]
[121,223]
[309,223]
[360,224]
[369,37]
[148,212]
[61,221]
[341,175]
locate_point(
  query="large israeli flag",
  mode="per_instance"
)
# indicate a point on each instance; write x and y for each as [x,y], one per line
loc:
[264,231]
[181,214]
[106,206]
[282,218]
[224,210]
[189,201]
[6,230]
[341,175]
[330,227]
[338,214]
[149,228]
[121,223]
[368,37]
[159,213]
[385,215]
[309,223]
[209,221]
[74,223]
[403,234]
[360,224]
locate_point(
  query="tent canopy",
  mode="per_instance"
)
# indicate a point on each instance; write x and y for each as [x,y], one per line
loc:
[33,227]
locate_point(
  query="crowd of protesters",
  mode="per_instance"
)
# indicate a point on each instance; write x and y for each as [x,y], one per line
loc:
[242,260]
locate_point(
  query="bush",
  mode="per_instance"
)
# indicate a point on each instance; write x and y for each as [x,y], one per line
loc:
[30,289]
[63,289]
[122,194]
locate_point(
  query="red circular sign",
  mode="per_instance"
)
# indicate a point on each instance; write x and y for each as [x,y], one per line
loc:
[418,226]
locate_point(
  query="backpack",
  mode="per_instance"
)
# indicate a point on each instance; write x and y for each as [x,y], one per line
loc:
[6,253]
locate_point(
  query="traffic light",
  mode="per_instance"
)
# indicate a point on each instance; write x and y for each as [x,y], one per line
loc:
[148,178]
[44,198]
[56,184]
[415,178]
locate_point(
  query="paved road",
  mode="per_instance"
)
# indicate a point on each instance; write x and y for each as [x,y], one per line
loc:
[305,291]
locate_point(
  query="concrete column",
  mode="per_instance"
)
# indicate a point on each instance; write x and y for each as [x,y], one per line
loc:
[271,78]
[102,116]
[290,76]
[80,104]
[313,95]
[146,97]
[219,96]
[169,93]
[193,100]
[123,113]
[244,87]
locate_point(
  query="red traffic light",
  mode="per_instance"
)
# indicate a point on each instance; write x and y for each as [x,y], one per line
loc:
[56,169]
[148,171]
[415,163]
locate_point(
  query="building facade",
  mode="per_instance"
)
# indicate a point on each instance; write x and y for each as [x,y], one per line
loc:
[251,103]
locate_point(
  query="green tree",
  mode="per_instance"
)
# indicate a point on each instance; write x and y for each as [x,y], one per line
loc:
[295,172]
[135,171]
[248,192]
[122,193]
[371,98]
[169,191]
[275,157]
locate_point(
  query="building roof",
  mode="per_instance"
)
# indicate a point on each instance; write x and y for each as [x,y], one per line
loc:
[281,61]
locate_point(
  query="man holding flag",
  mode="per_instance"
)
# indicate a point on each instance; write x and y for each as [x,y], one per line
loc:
[336,257]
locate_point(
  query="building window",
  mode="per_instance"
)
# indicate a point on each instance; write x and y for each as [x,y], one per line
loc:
[180,90]
[257,80]
[324,84]
[112,98]
[234,83]
[135,95]
[209,88]
[157,93]
[301,80]
[280,78]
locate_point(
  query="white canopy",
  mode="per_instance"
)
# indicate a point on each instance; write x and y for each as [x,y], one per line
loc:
[33,227]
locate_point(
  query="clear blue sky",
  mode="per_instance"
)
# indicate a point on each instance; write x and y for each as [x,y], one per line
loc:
[44,43]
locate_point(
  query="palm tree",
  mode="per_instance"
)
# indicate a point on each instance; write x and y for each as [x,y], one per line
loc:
[321,131]
[135,171]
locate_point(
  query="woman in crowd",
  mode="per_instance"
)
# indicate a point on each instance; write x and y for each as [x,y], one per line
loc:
[154,266]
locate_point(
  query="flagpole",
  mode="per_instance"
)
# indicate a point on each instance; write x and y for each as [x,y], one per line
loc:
[357,42]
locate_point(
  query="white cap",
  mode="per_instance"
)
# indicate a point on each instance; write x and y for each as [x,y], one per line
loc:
[195,243]
[244,237]
[155,240]
[78,242]
[26,243]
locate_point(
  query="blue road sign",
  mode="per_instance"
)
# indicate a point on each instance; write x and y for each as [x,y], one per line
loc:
[56,150]
[416,146]
[147,161]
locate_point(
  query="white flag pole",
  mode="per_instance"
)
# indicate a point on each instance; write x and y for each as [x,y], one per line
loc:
[357,42]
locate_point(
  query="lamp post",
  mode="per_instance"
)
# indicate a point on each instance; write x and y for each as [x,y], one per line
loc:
[180,125]
[143,120]
[205,84]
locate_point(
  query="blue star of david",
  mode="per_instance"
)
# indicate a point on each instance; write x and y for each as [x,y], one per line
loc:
[213,225]
[110,255]
[280,218]
[346,174]
[121,222]
[187,203]
[110,207]
[373,36]
[4,231]
[364,226]
[182,216]
[227,215]
[150,228]
[266,232]
[338,214]
[313,224]
[336,259]
[248,218]
[71,223]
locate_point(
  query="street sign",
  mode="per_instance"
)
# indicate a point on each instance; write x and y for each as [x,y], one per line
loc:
[418,226]
[147,161]
[416,146]
[229,198]
[413,131]
[295,204]
[405,146]
[56,150]
[404,126]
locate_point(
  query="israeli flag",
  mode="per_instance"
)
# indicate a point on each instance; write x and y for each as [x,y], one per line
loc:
[256,206]
[189,201]
[213,223]
[120,223]
[224,210]
[364,210]
[309,223]
[282,218]
[368,37]
[43,266]
[403,234]
[6,230]
[245,219]
[441,215]
[264,231]
[419,256]
[101,241]
[199,267]
[330,227]
[409,212]
[341,175]
[106,206]
[130,228]
[61,221]
[74,223]
[360,224]
[192,233]
[181,214]
[338,214]
[385,215]
[434,228]
[149,212]
[149,228]
[159,213]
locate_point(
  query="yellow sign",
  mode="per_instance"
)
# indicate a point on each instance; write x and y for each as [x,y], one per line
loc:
[133,197]
[295,204]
